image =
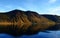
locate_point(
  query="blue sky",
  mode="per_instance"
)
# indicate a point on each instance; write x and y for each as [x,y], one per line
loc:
[40,6]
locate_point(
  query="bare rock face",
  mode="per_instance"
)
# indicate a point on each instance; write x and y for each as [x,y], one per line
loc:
[19,22]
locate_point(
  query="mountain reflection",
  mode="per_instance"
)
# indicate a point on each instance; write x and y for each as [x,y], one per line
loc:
[52,34]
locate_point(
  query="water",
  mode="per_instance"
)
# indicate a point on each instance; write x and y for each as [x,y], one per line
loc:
[51,34]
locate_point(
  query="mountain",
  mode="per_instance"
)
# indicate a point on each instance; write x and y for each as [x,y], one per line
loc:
[54,18]
[18,22]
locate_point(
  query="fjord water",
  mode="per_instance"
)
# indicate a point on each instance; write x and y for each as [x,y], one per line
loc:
[49,34]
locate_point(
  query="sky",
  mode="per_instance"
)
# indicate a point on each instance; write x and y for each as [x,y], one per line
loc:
[40,6]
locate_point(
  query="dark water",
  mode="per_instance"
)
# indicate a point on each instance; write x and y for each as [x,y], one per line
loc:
[51,34]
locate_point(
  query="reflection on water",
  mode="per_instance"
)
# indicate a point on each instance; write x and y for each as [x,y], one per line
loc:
[52,34]
[5,36]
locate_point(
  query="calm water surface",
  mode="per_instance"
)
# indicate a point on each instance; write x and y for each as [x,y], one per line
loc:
[51,34]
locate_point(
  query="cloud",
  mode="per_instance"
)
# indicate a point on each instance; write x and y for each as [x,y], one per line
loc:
[55,11]
[8,6]
[52,1]
[5,8]
[2,11]
[20,8]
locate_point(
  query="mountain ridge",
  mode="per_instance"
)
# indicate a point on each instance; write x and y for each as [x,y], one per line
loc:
[24,22]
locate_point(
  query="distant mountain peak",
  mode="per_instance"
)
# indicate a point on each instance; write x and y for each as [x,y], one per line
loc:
[15,11]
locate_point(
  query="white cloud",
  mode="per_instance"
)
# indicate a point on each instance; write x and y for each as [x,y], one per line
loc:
[8,6]
[2,11]
[52,1]
[20,8]
[12,7]
[55,11]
